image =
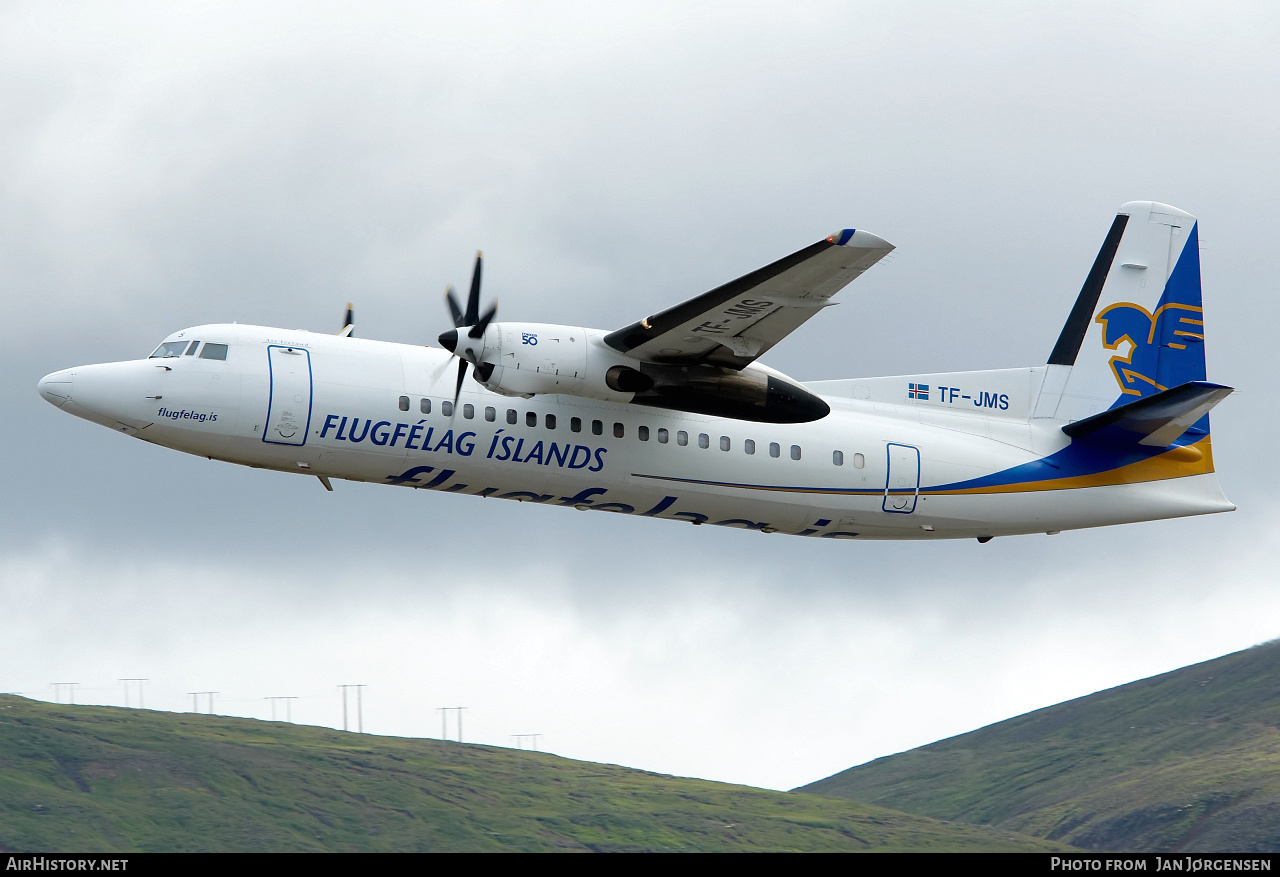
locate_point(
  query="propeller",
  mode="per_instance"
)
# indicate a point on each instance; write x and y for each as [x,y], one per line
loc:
[348,323]
[468,347]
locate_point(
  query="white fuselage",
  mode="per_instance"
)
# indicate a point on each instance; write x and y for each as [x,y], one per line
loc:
[361,410]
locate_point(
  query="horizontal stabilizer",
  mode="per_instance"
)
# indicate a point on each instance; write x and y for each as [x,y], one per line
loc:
[1157,420]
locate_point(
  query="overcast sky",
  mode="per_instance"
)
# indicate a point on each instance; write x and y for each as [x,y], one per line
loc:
[166,165]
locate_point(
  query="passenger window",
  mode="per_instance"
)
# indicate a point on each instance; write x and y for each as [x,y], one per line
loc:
[643,433]
[662,435]
[213,351]
[597,428]
[575,424]
[704,441]
[749,446]
[191,348]
[425,406]
[490,414]
[511,415]
[550,421]
[530,418]
[446,408]
[618,430]
[859,461]
[795,452]
[468,411]
[774,450]
[682,438]
[724,443]
[404,403]
[837,457]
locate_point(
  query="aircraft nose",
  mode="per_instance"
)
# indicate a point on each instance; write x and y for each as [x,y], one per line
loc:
[56,387]
[110,393]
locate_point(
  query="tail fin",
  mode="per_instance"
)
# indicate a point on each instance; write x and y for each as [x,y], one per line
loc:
[1137,327]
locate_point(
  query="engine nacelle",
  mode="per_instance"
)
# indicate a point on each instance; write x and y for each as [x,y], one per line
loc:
[524,359]
[755,392]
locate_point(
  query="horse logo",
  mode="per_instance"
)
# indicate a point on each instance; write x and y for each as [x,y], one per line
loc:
[1156,341]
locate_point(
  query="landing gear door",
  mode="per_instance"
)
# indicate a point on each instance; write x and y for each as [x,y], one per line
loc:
[902,486]
[289,408]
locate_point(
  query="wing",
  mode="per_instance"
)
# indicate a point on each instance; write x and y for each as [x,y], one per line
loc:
[735,323]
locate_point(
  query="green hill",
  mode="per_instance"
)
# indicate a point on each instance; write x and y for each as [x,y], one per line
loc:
[102,779]
[1189,760]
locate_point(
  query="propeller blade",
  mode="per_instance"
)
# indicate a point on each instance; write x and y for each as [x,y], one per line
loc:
[462,373]
[475,323]
[473,300]
[477,330]
[438,373]
[454,310]
[348,323]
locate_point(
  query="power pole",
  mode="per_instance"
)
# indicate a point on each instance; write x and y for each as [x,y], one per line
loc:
[288,706]
[57,691]
[195,700]
[521,737]
[359,706]
[126,691]
[444,721]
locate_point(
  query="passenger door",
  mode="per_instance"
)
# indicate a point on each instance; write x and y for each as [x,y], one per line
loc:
[902,484]
[289,405]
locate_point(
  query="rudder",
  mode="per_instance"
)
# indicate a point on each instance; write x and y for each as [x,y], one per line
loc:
[1137,327]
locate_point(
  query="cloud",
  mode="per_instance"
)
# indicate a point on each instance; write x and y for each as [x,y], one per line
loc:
[732,671]
[165,167]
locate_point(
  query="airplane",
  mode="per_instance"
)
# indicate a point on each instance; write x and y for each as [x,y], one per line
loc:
[674,417]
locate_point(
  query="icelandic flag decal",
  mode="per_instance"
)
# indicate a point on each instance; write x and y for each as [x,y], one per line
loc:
[917,391]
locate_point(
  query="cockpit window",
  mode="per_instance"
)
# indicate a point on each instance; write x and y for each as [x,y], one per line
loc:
[191,348]
[169,349]
[213,351]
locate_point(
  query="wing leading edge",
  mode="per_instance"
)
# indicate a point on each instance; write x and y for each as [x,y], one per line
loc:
[735,323]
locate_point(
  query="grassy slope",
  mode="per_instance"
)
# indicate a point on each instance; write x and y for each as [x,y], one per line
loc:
[76,778]
[1187,760]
